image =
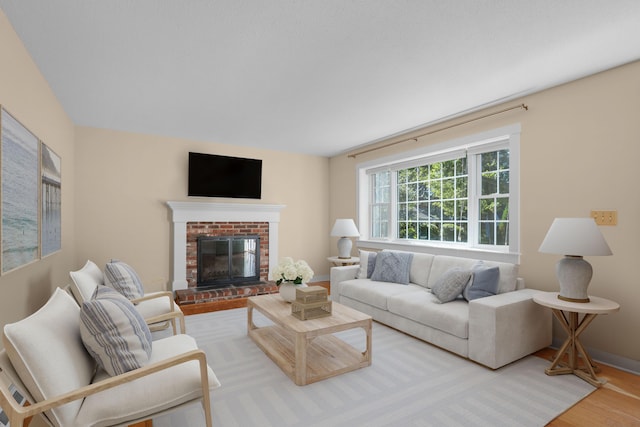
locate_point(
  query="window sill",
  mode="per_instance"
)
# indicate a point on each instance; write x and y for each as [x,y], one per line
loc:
[474,253]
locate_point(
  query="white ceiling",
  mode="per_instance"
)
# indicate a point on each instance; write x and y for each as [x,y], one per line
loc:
[317,77]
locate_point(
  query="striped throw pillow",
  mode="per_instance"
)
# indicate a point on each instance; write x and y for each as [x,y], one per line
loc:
[114,333]
[123,278]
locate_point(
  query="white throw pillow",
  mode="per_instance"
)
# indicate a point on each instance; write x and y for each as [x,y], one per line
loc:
[85,281]
[114,333]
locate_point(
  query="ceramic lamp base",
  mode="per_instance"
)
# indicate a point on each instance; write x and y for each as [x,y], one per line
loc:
[344,248]
[574,275]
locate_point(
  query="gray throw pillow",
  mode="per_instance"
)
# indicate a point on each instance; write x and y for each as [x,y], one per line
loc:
[450,284]
[484,282]
[392,267]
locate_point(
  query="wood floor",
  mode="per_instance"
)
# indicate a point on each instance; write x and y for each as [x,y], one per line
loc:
[617,403]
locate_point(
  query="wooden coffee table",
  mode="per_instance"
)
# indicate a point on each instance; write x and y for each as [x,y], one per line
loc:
[306,350]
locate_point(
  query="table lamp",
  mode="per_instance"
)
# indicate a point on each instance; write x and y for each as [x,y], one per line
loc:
[344,228]
[574,238]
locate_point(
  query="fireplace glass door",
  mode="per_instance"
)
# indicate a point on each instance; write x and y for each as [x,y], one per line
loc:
[224,260]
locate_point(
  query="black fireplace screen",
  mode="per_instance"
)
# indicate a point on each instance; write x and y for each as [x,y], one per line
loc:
[224,260]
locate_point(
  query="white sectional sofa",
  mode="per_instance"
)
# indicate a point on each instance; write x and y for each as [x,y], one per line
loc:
[493,330]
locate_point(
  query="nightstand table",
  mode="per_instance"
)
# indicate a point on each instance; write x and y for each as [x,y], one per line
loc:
[337,261]
[568,314]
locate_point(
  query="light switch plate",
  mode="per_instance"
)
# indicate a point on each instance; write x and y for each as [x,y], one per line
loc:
[605,217]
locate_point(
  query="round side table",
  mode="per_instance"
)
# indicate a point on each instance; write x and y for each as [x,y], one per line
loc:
[568,314]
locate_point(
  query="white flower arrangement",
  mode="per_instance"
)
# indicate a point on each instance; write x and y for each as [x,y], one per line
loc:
[296,272]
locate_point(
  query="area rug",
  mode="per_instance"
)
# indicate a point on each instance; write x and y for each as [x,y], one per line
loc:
[410,383]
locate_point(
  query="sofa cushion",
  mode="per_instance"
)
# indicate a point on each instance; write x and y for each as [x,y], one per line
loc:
[392,266]
[85,281]
[420,269]
[372,292]
[123,278]
[114,333]
[483,283]
[451,284]
[422,306]
[47,353]
[367,264]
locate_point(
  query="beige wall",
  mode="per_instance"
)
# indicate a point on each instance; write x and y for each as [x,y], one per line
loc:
[124,181]
[579,152]
[26,95]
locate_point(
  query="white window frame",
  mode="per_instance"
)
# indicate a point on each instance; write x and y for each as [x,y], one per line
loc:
[496,139]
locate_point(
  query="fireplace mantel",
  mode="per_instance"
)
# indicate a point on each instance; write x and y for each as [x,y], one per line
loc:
[184,212]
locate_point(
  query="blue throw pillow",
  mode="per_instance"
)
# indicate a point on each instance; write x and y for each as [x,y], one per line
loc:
[483,283]
[392,267]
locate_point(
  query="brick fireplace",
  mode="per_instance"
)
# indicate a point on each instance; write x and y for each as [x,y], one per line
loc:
[225,229]
[193,219]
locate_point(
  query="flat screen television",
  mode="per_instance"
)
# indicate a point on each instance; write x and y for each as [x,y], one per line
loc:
[212,175]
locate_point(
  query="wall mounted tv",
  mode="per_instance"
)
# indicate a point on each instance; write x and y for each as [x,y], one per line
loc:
[211,175]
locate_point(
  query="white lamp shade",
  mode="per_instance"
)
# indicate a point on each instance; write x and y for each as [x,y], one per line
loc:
[575,237]
[345,228]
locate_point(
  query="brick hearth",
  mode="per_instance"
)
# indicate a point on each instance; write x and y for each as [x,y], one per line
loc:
[198,300]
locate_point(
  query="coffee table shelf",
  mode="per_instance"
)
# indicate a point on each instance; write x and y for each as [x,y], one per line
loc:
[306,351]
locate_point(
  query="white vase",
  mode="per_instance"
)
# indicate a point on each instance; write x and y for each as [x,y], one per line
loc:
[288,291]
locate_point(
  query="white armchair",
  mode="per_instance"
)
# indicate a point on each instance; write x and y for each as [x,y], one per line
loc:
[44,357]
[157,308]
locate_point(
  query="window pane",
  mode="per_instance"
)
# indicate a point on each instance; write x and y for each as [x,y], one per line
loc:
[423,231]
[503,182]
[461,166]
[462,232]
[461,209]
[489,183]
[402,212]
[423,211]
[448,232]
[402,230]
[502,208]
[502,236]
[489,161]
[486,233]
[423,173]
[449,168]
[461,187]
[436,211]
[434,231]
[435,171]
[487,209]
[412,230]
[448,188]
[448,210]
[412,211]
[503,156]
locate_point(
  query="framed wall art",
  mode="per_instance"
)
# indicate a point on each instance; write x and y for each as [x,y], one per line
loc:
[51,184]
[20,190]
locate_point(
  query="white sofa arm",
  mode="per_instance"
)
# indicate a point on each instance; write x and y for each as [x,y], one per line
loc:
[506,327]
[339,275]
